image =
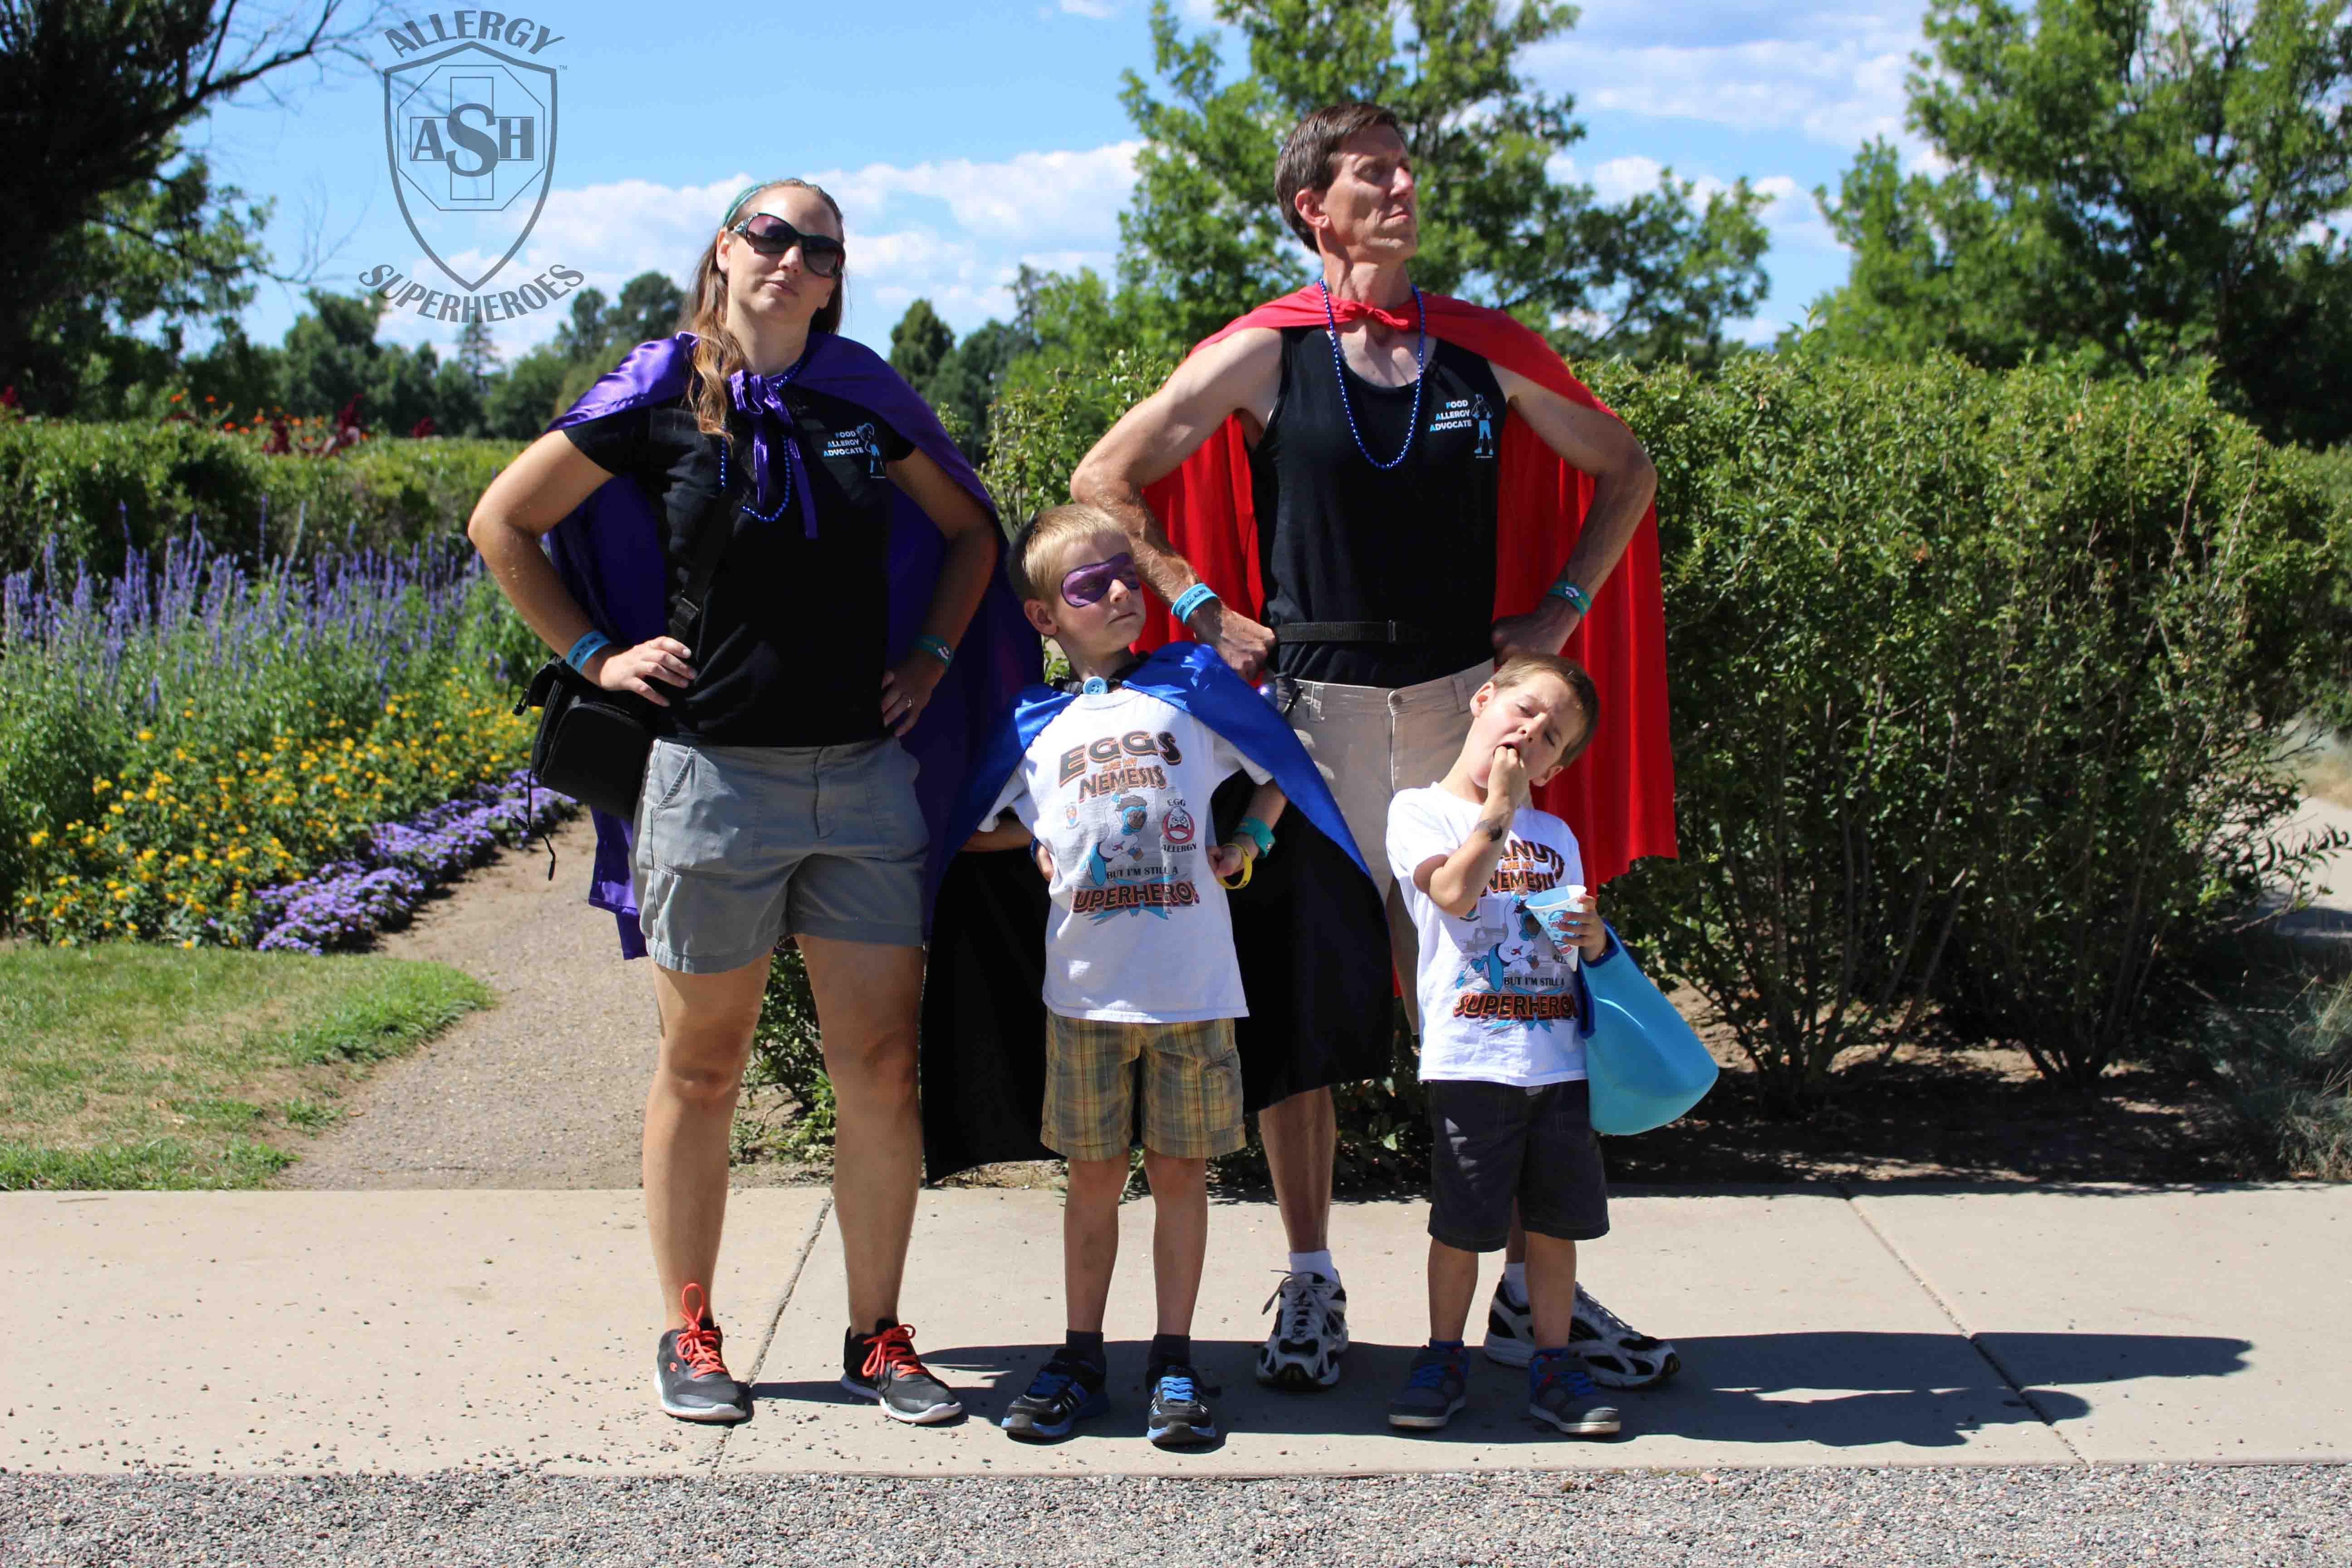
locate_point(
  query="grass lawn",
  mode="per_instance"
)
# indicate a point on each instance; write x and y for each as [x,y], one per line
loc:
[128,1066]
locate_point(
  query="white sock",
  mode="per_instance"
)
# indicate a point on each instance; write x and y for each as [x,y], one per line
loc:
[1314,1263]
[1515,1279]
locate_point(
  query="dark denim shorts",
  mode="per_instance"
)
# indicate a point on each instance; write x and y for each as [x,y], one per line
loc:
[1494,1144]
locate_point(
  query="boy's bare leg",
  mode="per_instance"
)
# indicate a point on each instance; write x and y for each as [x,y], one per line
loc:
[1516,1249]
[1179,1235]
[1090,1238]
[1452,1280]
[1301,1134]
[1551,1289]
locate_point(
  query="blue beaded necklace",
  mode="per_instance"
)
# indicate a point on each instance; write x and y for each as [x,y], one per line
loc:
[724,443]
[1339,369]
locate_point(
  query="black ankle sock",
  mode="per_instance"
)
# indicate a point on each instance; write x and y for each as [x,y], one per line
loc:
[1169,1349]
[1087,1347]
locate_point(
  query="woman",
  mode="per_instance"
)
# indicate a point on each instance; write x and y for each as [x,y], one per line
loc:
[782,805]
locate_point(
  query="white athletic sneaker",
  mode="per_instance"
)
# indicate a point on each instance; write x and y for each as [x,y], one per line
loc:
[1617,1354]
[1310,1334]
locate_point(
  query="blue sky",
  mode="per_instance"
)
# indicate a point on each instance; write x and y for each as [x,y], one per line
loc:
[964,140]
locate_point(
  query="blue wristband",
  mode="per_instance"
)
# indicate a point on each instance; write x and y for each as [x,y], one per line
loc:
[937,647]
[1258,831]
[590,643]
[1564,589]
[1191,599]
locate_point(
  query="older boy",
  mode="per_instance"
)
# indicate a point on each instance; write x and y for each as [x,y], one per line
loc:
[1502,1020]
[1141,978]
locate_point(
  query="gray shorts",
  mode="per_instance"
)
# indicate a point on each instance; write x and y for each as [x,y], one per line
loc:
[740,846]
[1494,1144]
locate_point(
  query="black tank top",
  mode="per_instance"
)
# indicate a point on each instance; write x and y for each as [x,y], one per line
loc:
[1339,539]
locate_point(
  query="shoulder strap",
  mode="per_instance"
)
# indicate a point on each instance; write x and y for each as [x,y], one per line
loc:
[717,531]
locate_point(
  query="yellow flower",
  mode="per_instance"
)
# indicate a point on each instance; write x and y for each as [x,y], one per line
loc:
[39,838]
[146,735]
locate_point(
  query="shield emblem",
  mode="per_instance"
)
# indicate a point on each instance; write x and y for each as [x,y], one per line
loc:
[470,133]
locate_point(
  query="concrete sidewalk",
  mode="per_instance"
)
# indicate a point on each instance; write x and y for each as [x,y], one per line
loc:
[418,1332]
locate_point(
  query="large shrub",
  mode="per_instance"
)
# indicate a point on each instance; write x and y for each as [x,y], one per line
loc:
[1978,683]
[108,490]
[1039,429]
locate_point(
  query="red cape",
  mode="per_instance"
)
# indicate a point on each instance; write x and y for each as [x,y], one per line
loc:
[1618,797]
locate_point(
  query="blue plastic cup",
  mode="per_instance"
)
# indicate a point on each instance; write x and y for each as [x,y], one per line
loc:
[1553,909]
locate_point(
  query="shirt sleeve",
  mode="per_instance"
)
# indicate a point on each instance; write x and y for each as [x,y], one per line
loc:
[618,443]
[1414,834]
[1015,798]
[895,447]
[1228,760]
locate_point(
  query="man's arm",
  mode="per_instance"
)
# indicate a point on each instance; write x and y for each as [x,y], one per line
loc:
[1623,483]
[1241,375]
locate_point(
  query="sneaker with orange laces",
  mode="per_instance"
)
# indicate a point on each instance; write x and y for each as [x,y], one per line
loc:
[882,1366]
[695,1385]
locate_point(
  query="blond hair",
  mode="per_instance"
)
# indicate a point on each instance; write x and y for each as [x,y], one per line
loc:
[1522,667]
[1038,546]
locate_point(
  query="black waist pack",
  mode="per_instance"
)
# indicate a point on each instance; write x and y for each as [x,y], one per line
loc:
[591,743]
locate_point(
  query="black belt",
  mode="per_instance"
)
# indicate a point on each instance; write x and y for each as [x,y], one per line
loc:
[1351,631]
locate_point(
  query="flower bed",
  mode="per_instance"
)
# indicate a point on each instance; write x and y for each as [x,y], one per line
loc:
[178,738]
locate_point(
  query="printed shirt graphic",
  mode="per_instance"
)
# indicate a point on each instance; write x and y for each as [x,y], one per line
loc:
[1117,786]
[1498,1002]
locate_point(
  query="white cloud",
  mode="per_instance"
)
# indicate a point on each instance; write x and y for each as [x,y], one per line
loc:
[1831,73]
[1098,9]
[954,231]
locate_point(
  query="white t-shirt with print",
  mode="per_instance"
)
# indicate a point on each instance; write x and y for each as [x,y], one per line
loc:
[1498,1002]
[1117,786]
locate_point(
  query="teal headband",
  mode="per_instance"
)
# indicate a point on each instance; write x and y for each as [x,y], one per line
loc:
[747,193]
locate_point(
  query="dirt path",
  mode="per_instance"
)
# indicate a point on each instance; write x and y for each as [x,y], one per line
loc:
[546,1087]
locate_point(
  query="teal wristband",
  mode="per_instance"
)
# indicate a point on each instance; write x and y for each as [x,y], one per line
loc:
[937,647]
[591,642]
[1190,600]
[1258,831]
[1576,596]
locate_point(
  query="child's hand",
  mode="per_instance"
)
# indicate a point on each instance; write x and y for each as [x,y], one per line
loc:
[1591,936]
[1506,779]
[1043,856]
[1228,858]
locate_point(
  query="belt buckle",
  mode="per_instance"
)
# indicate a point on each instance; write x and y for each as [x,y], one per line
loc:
[1392,633]
[1282,691]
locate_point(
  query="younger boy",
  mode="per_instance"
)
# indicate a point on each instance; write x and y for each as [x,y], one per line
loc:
[1502,1019]
[1141,978]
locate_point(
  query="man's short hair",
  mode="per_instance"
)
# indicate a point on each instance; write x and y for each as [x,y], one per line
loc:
[1038,547]
[1522,667]
[1308,151]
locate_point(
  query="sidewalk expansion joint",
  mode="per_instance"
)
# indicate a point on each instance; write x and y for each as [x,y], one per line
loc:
[768,1336]
[1952,1315]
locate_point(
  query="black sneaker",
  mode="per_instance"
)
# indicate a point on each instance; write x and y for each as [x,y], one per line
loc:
[883,1367]
[693,1379]
[1180,1410]
[1560,1393]
[1065,1390]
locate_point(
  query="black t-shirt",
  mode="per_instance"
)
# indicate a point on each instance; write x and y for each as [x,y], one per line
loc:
[790,649]
[1339,539]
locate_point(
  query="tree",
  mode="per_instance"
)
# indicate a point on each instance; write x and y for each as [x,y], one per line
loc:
[93,100]
[520,402]
[2148,188]
[919,343]
[478,353]
[1660,276]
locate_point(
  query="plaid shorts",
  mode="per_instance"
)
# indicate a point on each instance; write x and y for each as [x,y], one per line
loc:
[1192,1088]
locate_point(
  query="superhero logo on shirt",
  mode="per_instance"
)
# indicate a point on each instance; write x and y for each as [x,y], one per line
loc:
[1511,975]
[1142,839]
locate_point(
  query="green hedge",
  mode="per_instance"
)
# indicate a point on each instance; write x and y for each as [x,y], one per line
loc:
[86,484]
[1979,685]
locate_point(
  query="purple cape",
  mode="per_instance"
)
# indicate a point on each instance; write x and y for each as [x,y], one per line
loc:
[610,556]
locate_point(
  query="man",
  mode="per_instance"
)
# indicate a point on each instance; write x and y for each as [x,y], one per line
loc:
[1359,531]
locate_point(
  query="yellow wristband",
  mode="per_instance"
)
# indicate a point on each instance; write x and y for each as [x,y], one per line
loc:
[1249,863]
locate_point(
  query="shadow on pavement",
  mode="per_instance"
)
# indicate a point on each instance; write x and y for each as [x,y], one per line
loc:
[1859,1389]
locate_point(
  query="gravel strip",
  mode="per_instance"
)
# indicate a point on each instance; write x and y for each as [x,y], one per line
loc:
[2266,1515]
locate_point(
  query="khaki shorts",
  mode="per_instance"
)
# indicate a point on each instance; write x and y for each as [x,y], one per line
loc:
[1192,1088]
[740,846]
[1370,742]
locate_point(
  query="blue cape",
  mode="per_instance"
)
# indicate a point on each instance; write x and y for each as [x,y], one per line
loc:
[609,553]
[1308,931]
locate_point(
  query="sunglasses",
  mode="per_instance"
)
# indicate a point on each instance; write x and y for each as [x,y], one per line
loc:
[1088,584]
[769,235]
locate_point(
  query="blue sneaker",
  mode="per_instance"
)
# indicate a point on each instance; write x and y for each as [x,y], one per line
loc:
[1179,1413]
[1560,1392]
[1065,1390]
[1438,1387]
